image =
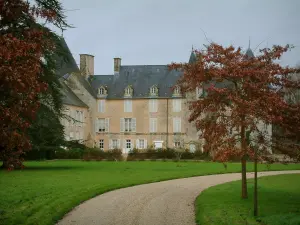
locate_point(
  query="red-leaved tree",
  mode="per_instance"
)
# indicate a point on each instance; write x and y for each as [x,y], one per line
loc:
[23,43]
[242,97]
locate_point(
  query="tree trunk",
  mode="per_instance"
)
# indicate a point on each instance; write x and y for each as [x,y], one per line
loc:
[5,164]
[255,185]
[243,161]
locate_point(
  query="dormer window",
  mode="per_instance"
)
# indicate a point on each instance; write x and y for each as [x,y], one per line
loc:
[154,91]
[102,92]
[176,91]
[128,91]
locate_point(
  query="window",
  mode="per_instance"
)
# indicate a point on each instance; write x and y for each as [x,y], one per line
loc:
[128,144]
[128,92]
[176,90]
[101,106]
[199,92]
[153,91]
[115,144]
[101,91]
[127,106]
[176,105]
[141,143]
[102,125]
[153,125]
[101,144]
[177,144]
[128,125]
[176,124]
[153,105]
[192,148]
[77,135]
[71,135]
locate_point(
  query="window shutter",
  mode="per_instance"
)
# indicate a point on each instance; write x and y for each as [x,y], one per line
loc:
[130,106]
[106,124]
[96,125]
[150,125]
[174,124]
[179,124]
[137,144]
[179,105]
[119,143]
[155,105]
[133,124]
[155,124]
[124,143]
[174,105]
[110,144]
[145,143]
[99,106]
[125,106]
[122,124]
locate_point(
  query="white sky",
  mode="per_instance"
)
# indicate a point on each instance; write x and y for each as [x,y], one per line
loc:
[156,32]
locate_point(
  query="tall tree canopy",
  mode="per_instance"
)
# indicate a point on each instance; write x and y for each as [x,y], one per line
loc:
[27,67]
[244,94]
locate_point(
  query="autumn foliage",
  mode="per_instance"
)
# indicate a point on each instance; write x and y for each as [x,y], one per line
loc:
[23,43]
[245,97]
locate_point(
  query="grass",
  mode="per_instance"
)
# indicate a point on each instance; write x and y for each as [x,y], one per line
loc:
[45,191]
[278,199]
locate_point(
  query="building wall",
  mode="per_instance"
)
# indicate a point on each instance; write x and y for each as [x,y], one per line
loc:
[90,101]
[114,110]
[75,126]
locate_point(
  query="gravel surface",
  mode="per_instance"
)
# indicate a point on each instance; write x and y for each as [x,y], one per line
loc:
[163,203]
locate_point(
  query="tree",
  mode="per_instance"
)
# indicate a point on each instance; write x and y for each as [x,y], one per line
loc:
[234,115]
[25,64]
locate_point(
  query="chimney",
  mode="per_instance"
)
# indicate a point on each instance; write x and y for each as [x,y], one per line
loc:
[117,65]
[86,65]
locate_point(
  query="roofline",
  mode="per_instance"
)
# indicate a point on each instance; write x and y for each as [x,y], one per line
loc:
[75,105]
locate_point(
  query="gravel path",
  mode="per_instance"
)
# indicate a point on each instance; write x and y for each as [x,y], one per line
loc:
[163,203]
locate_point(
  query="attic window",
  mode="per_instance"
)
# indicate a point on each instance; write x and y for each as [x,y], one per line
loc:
[101,91]
[128,91]
[176,90]
[153,91]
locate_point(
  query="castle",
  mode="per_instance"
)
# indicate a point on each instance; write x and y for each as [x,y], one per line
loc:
[135,107]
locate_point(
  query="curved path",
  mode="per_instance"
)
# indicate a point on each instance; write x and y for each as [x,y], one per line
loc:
[162,203]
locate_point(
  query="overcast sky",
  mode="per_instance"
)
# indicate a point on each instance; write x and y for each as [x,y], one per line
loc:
[157,32]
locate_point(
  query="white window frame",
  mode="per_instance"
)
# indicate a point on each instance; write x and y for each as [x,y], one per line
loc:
[101,144]
[177,105]
[177,90]
[101,106]
[141,143]
[176,125]
[152,125]
[127,125]
[101,91]
[177,144]
[128,144]
[102,123]
[153,105]
[199,92]
[153,90]
[128,105]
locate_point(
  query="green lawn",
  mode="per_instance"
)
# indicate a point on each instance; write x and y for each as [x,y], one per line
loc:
[45,191]
[279,203]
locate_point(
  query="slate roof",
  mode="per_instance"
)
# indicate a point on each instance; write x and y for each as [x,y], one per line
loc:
[65,66]
[249,53]
[141,78]
[70,98]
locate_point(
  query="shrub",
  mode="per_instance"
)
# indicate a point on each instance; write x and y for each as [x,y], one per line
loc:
[114,155]
[202,155]
[93,154]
